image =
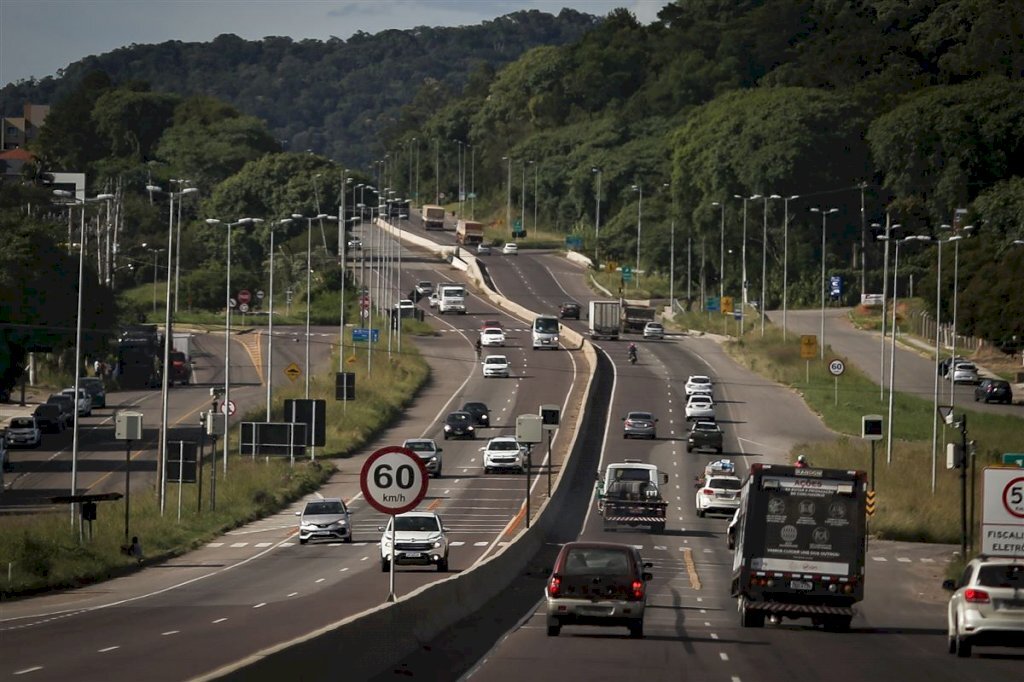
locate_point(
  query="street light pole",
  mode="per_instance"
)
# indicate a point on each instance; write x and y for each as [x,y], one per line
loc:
[597,221]
[743,250]
[522,198]
[825,212]
[270,317]
[177,244]
[639,221]
[721,252]
[154,251]
[785,260]
[309,280]
[508,186]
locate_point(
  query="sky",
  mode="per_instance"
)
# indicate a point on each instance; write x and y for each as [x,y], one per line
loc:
[39,37]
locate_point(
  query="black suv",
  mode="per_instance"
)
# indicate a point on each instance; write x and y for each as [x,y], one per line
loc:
[459,425]
[67,404]
[480,413]
[49,417]
[993,390]
[569,310]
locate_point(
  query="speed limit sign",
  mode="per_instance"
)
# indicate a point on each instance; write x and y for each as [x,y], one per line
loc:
[393,480]
[1002,518]
[836,367]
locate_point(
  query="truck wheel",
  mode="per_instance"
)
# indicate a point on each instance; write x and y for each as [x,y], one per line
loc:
[553,630]
[636,629]
[838,623]
[384,565]
[749,618]
[658,528]
[700,513]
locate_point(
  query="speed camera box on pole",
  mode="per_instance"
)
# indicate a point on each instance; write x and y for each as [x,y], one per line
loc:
[529,428]
[550,416]
[871,427]
[128,425]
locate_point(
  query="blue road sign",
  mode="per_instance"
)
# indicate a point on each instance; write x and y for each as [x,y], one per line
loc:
[835,286]
[712,304]
[364,334]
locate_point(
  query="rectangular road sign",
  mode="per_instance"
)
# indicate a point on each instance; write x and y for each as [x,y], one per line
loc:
[808,346]
[1015,459]
[273,439]
[363,334]
[1002,512]
[712,304]
[727,305]
[181,462]
[311,412]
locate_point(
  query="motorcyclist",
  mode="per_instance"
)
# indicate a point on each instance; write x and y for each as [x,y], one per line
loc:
[478,347]
[801,462]
[632,352]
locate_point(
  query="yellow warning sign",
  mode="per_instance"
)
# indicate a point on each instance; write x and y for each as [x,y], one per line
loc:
[293,371]
[871,503]
[808,346]
[727,308]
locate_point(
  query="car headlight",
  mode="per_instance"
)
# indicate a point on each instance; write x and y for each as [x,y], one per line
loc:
[469,428]
[432,459]
[447,427]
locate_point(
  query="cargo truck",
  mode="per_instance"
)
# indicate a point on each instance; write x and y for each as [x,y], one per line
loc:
[635,317]
[469,232]
[181,359]
[603,320]
[433,217]
[800,545]
[629,494]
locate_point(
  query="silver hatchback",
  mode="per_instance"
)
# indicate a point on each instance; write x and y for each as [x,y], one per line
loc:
[325,519]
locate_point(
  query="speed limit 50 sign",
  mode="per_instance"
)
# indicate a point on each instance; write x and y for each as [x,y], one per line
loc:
[1002,520]
[393,480]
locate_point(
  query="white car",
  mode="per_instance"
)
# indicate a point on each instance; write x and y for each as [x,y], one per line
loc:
[434,299]
[964,373]
[718,494]
[420,540]
[84,401]
[700,406]
[495,366]
[510,249]
[504,453]
[405,308]
[654,330]
[699,384]
[24,432]
[426,449]
[492,336]
[987,605]
[483,249]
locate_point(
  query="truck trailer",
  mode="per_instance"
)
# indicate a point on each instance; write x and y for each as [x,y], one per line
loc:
[800,545]
[469,232]
[433,217]
[603,320]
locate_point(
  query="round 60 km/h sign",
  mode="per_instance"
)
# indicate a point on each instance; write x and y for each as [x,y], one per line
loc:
[836,367]
[393,480]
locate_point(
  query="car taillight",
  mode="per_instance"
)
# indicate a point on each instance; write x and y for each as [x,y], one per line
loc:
[638,589]
[973,596]
[708,491]
[555,586]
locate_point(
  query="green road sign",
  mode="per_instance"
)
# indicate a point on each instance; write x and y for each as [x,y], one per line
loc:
[1014,458]
[627,273]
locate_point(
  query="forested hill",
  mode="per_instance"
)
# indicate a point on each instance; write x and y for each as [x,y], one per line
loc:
[337,97]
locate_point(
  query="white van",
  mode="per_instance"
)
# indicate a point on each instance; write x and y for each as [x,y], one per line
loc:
[545,332]
[452,299]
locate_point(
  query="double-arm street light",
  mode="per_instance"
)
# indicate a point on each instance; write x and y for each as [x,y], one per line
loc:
[764,255]
[785,259]
[177,241]
[597,219]
[70,197]
[309,271]
[226,406]
[270,315]
[743,250]
[825,212]
[155,252]
[165,373]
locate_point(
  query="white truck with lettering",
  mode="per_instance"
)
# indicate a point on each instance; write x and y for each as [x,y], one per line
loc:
[451,299]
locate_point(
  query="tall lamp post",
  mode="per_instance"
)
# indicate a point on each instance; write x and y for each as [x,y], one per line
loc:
[153,251]
[938,319]
[785,259]
[764,259]
[956,238]
[743,250]
[597,219]
[165,378]
[270,316]
[639,221]
[70,197]
[309,281]
[177,241]
[825,212]
[721,252]
[227,329]
[508,187]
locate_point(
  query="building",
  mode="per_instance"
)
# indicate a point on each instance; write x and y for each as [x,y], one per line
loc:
[17,131]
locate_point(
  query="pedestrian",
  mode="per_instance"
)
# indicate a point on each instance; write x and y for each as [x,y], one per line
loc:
[97,367]
[135,550]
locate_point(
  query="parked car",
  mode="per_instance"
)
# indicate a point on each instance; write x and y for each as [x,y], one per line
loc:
[994,390]
[700,406]
[654,330]
[597,583]
[480,413]
[639,425]
[67,405]
[24,432]
[96,390]
[510,249]
[326,519]
[698,383]
[492,336]
[495,366]
[569,310]
[459,425]
[50,418]
[504,453]
[964,373]
[420,540]
[426,449]
[83,403]
[987,605]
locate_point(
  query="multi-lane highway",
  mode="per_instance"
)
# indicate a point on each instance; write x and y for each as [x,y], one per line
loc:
[256,586]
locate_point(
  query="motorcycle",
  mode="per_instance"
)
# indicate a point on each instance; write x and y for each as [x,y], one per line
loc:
[632,356]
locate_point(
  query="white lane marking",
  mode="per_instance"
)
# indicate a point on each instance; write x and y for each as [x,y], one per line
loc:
[236,545]
[707,623]
[320,580]
[927,560]
[724,656]
[903,560]
[457,543]
[293,594]
[879,558]
[28,670]
[219,620]
[106,649]
[214,544]
[735,678]
[483,543]
[343,570]
[169,632]
[714,636]
[366,557]
[260,605]
[263,544]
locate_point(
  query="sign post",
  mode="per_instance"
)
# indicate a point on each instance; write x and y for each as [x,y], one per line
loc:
[808,349]
[393,480]
[836,367]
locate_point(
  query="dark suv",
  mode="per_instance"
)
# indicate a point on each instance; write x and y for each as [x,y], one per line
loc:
[49,417]
[569,309]
[459,425]
[993,390]
[68,406]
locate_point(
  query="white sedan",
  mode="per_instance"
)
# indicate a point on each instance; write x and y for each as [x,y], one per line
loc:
[492,336]
[495,366]
[698,384]
[700,406]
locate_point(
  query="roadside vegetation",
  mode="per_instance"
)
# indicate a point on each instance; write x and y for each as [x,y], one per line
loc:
[907,509]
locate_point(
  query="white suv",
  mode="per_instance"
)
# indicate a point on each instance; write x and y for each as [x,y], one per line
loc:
[987,605]
[504,453]
[420,540]
[719,494]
